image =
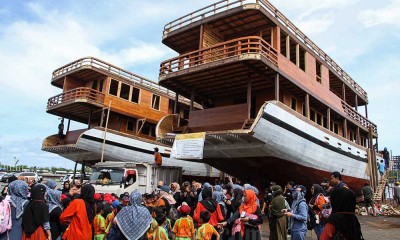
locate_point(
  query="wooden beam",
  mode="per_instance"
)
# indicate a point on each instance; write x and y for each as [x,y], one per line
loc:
[176,103]
[192,99]
[344,92]
[298,55]
[328,117]
[277,87]
[249,97]
[356,102]
[358,140]
[201,36]
[307,104]
[366,111]
[288,47]
[345,128]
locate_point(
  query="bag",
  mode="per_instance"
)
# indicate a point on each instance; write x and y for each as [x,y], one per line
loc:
[5,215]
[326,209]
[172,212]
[311,219]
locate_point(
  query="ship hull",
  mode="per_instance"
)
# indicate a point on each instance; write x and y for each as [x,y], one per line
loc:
[121,147]
[285,147]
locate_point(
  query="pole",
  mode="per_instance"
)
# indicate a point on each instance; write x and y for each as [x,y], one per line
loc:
[73,176]
[105,131]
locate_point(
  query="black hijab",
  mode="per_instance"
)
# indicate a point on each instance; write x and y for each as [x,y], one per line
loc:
[237,198]
[209,203]
[87,195]
[343,202]
[65,190]
[37,212]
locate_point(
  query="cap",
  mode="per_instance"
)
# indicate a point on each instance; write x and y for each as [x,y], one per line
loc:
[63,196]
[165,188]
[97,196]
[184,209]
[126,199]
[115,204]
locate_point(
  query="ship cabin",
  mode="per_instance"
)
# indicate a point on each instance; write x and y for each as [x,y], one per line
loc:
[103,96]
[234,56]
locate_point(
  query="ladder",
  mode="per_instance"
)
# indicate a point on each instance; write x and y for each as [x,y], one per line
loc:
[380,190]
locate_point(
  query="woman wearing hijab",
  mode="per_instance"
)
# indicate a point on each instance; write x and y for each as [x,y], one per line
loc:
[65,188]
[35,220]
[53,202]
[209,204]
[247,218]
[342,223]
[277,220]
[134,220]
[176,192]
[51,184]
[316,203]
[18,191]
[298,215]
[80,212]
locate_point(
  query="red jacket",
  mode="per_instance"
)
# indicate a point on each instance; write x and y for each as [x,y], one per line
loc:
[215,218]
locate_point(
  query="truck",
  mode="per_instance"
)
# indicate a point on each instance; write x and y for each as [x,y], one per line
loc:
[122,177]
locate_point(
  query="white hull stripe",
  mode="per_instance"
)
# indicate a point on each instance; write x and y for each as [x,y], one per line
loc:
[122,145]
[304,135]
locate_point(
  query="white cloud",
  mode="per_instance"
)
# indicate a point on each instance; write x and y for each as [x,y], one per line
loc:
[389,14]
[316,24]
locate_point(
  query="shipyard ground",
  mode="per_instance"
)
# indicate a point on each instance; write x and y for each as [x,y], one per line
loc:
[382,228]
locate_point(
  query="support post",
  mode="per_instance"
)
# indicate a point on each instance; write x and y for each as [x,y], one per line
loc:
[176,103]
[298,55]
[90,117]
[366,110]
[73,176]
[307,104]
[249,97]
[192,99]
[358,140]
[328,118]
[69,123]
[344,92]
[345,128]
[277,87]
[201,36]
[105,131]
[288,47]
[356,102]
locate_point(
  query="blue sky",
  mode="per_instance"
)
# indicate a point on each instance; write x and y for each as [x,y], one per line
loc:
[36,37]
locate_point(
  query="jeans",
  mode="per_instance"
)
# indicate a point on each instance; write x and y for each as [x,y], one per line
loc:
[298,235]
[319,228]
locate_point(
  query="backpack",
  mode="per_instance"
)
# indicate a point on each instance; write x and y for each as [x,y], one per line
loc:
[311,219]
[172,212]
[5,215]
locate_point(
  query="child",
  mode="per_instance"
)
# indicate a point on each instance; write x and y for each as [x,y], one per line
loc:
[160,233]
[168,225]
[154,224]
[99,223]
[206,231]
[184,227]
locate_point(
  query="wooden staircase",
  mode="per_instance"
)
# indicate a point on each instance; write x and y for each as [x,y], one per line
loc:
[380,190]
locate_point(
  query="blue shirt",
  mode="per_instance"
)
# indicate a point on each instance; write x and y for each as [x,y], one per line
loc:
[381,167]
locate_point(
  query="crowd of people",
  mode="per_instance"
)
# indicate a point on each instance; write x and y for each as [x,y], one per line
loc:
[186,211]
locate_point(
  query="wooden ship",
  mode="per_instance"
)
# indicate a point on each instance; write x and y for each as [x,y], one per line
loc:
[276,106]
[120,110]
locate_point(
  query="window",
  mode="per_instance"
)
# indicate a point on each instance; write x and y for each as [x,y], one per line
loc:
[283,43]
[312,115]
[335,127]
[135,95]
[101,85]
[155,102]
[319,119]
[114,87]
[124,91]
[294,104]
[130,125]
[318,66]
[94,85]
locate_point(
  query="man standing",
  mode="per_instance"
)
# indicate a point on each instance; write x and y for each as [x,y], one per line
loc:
[368,194]
[396,193]
[157,157]
[336,181]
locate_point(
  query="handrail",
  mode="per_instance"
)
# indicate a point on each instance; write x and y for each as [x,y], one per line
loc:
[244,45]
[353,114]
[136,79]
[77,93]
[225,5]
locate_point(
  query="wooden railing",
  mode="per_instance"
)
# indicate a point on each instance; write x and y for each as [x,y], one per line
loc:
[225,5]
[77,93]
[91,62]
[235,47]
[353,114]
